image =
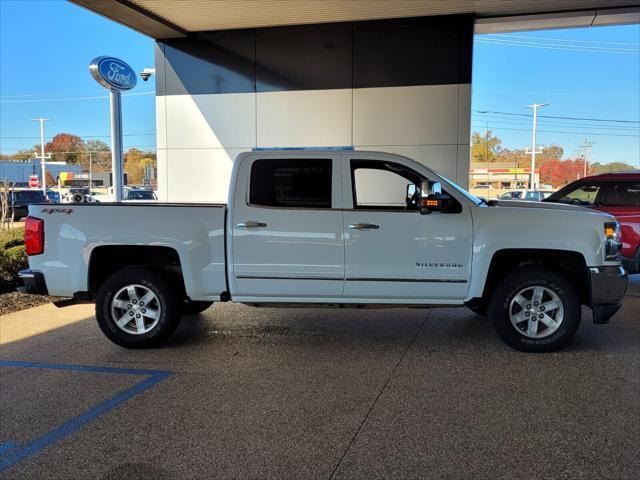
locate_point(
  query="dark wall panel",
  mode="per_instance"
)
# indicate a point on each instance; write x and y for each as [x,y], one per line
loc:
[304,57]
[414,51]
[211,62]
[385,53]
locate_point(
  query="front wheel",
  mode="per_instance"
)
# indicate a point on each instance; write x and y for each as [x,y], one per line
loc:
[535,309]
[136,308]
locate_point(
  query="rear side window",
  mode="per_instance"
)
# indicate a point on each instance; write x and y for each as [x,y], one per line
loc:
[532,196]
[623,194]
[293,183]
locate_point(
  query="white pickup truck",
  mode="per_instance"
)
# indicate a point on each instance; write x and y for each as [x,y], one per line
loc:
[335,229]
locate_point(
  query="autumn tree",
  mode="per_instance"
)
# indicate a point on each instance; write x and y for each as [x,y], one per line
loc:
[24,154]
[485,148]
[100,154]
[134,163]
[612,167]
[65,147]
[558,173]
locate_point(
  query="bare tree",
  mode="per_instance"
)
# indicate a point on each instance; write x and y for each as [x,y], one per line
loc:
[6,213]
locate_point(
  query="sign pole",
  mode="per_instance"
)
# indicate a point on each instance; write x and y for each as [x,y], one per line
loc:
[116,142]
[115,75]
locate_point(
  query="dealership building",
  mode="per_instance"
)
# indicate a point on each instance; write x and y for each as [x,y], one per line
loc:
[390,75]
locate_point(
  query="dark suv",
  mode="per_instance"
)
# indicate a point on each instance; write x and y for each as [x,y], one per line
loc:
[617,194]
[19,201]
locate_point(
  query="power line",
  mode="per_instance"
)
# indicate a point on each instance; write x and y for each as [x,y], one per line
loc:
[87,136]
[49,100]
[559,117]
[558,131]
[568,48]
[562,39]
[52,93]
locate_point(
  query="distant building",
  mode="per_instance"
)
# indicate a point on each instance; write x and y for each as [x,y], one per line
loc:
[493,179]
[19,172]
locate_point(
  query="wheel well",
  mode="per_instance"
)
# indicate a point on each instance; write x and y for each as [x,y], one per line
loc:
[107,259]
[569,264]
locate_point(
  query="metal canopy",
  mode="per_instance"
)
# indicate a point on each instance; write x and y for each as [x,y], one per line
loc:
[176,18]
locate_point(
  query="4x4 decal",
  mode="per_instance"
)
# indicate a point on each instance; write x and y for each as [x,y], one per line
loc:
[66,211]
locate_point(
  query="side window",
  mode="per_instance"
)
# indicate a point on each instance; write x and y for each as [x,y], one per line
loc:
[384,185]
[623,194]
[583,194]
[292,183]
[532,196]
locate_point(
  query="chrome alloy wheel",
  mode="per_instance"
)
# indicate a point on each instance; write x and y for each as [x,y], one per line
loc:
[135,309]
[536,312]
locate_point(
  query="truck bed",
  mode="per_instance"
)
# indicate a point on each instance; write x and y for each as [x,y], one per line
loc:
[73,232]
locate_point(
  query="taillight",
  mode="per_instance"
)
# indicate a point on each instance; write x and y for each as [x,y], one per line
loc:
[34,235]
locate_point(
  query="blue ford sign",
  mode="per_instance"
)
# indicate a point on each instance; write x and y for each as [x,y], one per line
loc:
[112,73]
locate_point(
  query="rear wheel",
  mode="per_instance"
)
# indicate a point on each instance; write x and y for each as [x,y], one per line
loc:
[534,309]
[136,309]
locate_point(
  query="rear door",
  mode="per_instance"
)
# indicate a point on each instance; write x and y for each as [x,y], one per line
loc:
[393,252]
[287,229]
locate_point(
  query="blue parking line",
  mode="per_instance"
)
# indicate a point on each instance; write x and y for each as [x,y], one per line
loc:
[6,446]
[75,423]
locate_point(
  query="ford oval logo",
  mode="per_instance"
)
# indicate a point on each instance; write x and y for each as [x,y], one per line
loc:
[113,73]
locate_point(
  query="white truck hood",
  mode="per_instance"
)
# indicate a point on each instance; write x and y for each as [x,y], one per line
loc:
[545,205]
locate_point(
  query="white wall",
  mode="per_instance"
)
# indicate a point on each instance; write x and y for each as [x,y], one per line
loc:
[199,136]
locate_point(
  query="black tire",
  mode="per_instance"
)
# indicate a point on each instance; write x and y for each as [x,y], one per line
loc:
[530,277]
[168,317]
[480,309]
[195,307]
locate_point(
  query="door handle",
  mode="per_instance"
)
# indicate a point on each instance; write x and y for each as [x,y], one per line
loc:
[251,224]
[364,226]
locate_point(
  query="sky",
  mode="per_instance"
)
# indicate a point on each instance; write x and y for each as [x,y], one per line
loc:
[587,73]
[45,51]
[584,73]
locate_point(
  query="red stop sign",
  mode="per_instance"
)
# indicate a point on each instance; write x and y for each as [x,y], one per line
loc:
[34,182]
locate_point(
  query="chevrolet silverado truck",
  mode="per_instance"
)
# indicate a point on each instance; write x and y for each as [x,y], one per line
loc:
[334,229]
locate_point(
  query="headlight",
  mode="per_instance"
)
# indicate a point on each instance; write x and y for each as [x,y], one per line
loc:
[612,239]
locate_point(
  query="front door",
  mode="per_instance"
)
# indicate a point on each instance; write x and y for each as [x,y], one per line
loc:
[394,253]
[287,229]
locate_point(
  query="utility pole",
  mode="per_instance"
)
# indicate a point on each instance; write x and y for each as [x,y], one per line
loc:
[42,155]
[586,155]
[534,150]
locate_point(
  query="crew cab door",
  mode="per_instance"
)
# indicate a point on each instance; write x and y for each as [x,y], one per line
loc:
[287,229]
[392,251]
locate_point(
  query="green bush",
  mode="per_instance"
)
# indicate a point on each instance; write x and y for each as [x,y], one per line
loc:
[13,258]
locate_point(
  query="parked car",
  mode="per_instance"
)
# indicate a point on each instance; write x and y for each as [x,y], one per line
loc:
[53,196]
[19,201]
[528,195]
[617,194]
[335,229]
[132,194]
[140,194]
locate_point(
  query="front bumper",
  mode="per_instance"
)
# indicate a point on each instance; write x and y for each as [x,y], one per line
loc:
[32,282]
[608,286]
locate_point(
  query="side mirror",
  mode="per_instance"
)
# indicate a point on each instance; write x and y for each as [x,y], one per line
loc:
[430,197]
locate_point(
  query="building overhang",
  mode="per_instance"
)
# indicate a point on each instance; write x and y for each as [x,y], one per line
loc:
[162,19]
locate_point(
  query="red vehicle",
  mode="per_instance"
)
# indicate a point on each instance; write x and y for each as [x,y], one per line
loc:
[617,194]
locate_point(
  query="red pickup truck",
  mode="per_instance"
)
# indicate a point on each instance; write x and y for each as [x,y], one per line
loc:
[617,194]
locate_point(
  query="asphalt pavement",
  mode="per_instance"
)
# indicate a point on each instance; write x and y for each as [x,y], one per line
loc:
[241,392]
